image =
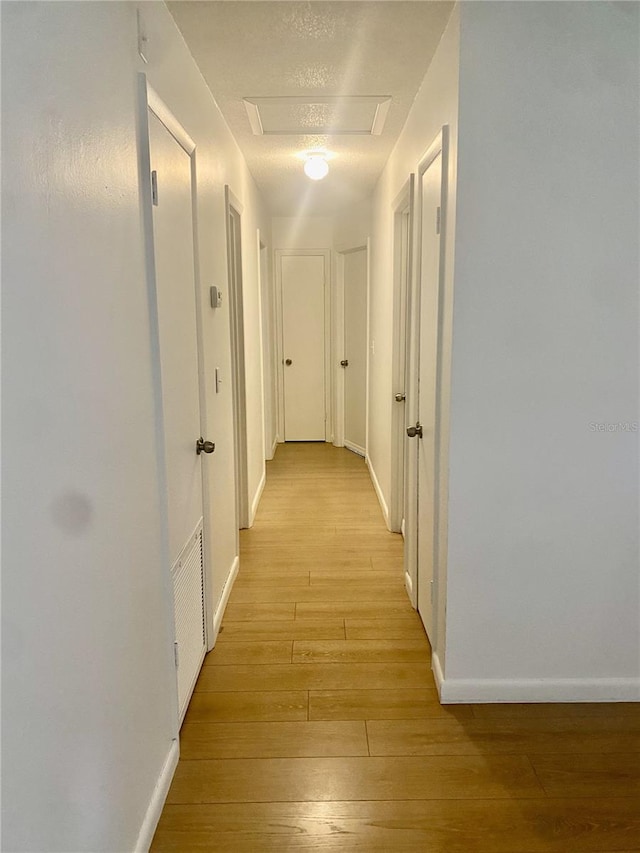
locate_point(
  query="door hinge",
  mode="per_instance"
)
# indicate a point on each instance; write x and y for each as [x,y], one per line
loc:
[438,214]
[176,655]
[154,188]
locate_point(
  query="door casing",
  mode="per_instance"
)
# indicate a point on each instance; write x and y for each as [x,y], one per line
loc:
[402,271]
[439,146]
[233,221]
[342,351]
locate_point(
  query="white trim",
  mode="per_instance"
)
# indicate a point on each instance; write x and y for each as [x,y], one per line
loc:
[256,498]
[261,318]
[162,112]
[274,447]
[376,486]
[355,448]
[463,690]
[233,200]
[338,339]
[224,598]
[156,804]
[438,674]
[253,114]
[328,349]
[182,712]
[279,347]
[367,384]
[439,146]
[403,207]
[380,117]
[408,582]
[236,287]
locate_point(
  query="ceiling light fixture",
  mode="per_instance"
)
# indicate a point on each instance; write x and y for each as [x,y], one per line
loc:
[316,167]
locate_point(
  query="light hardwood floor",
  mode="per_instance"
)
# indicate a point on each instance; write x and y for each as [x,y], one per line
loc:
[315,724]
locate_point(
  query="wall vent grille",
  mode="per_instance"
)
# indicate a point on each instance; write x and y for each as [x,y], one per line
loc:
[188,590]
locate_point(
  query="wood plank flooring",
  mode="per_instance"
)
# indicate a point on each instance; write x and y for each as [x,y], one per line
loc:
[315,723]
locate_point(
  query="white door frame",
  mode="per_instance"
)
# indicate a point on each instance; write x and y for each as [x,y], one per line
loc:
[234,207]
[440,145]
[337,349]
[328,387]
[339,338]
[403,207]
[148,99]
[267,345]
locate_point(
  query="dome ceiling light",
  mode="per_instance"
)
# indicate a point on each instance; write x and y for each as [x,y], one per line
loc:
[316,167]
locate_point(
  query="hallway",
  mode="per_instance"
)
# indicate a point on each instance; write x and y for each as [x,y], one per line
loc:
[315,723]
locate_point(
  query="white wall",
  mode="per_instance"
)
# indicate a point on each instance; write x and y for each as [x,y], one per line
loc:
[352,227]
[436,104]
[543,545]
[88,678]
[303,232]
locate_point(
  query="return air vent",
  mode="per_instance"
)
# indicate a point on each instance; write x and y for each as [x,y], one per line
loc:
[188,590]
[328,115]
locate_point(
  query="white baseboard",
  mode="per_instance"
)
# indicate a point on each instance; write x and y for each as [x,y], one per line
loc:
[408,582]
[376,486]
[151,818]
[461,690]
[256,498]
[224,598]
[274,447]
[436,666]
[355,448]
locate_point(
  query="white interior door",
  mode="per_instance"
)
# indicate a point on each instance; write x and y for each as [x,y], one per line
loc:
[429,199]
[303,346]
[402,248]
[355,349]
[176,301]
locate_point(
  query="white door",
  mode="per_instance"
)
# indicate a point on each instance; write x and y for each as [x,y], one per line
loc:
[402,248]
[355,349]
[303,345]
[429,199]
[176,299]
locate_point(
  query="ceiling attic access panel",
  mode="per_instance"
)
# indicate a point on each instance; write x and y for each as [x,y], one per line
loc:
[330,116]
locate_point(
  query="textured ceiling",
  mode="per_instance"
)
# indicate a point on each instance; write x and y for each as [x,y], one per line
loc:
[312,49]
